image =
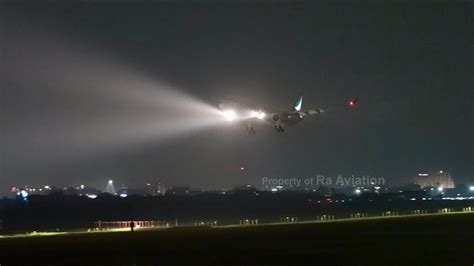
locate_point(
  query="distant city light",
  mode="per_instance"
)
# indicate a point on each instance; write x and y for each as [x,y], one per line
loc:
[92,196]
[123,195]
[23,194]
[242,168]
[440,172]
[111,181]
[82,186]
[47,187]
[440,189]
[357,191]
[422,174]
[471,188]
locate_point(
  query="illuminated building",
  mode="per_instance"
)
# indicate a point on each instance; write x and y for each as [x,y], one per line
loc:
[179,191]
[439,179]
[155,187]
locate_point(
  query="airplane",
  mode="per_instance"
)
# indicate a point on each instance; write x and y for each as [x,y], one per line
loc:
[277,119]
[352,103]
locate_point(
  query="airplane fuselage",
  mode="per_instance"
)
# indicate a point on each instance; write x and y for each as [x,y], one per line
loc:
[284,118]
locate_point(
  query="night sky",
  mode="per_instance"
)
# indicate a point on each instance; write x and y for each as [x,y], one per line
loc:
[129,91]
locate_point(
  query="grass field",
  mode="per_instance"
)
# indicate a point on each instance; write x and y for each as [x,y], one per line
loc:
[421,240]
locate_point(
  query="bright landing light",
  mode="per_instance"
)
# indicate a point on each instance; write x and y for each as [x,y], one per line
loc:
[257,114]
[229,115]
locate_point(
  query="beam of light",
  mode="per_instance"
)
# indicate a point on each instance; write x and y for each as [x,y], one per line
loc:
[257,114]
[109,188]
[229,115]
[77,101]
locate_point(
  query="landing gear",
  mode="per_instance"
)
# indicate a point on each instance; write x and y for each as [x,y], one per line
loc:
[250,129]
[279,129]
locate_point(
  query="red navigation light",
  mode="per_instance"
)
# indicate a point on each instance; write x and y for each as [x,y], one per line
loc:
[352,103]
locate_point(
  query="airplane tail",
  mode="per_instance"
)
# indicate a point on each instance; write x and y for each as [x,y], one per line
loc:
[298,103]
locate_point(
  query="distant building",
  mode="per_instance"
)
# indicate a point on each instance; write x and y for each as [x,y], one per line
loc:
[244,189]
[179,191]
[155,187]
[138,191]
[438,179]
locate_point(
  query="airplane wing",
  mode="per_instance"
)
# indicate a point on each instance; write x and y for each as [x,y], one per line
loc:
[310,112]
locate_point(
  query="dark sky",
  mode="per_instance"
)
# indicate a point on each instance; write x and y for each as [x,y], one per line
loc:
[127,91]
